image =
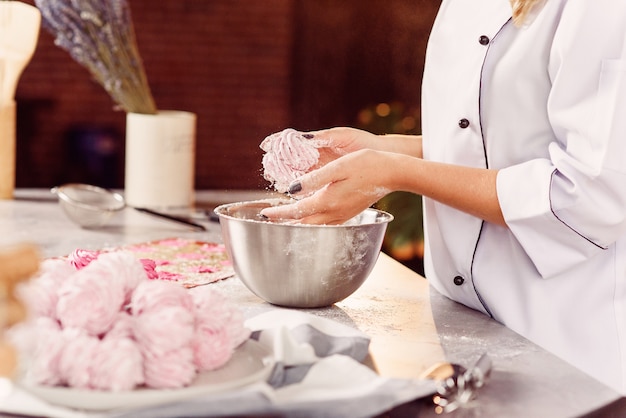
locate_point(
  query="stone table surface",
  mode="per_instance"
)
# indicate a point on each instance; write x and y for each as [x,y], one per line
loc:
[411,326]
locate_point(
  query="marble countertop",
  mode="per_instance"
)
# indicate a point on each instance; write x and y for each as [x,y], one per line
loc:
[411,325]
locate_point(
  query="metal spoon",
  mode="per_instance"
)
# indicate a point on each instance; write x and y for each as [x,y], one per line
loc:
[457,385]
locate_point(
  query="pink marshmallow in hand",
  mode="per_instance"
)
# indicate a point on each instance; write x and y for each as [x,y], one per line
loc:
[288,156]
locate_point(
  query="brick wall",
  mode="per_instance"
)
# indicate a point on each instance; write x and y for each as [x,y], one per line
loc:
[246,67]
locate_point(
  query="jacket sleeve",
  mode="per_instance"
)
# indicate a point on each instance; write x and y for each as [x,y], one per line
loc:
[572,205]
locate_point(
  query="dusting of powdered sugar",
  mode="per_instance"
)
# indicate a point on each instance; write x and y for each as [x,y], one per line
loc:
[337,257]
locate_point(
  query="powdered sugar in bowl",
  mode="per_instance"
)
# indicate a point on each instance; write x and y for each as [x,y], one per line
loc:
[297,265]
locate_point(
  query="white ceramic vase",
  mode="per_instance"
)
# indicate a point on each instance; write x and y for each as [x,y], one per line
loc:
[160,160]
[7,150]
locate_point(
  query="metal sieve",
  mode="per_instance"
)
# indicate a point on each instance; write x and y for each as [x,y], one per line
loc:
[92,206]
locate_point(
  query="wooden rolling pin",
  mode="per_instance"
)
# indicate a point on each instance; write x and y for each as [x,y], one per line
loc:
[19,33]
[7,150]
[16,265]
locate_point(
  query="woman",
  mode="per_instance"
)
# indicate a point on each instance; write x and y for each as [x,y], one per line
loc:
[523,169]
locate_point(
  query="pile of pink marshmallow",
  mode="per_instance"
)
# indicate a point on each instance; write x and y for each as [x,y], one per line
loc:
[98,321]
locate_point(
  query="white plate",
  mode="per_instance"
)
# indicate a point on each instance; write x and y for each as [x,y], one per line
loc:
[251,363]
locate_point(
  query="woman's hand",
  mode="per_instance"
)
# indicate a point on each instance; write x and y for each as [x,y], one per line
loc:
[350,184]
[338,191]
[356,169]
[336,142]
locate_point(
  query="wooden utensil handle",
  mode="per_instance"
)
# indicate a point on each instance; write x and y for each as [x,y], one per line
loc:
[7,150]
[18,265]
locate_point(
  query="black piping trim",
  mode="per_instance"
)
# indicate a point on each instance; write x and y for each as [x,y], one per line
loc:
[480,123]
[480,90]
[480,298]
[565,223]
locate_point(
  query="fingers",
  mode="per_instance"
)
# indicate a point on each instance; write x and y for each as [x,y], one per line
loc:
[330,205]
[304,212]
[317,208]
[317,179]
[296,211]
[320,139]
[334,143]
[336,138]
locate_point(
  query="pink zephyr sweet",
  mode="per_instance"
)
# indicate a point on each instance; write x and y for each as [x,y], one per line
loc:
[164,330]
[40,293]
[41,343]
[288,155]
[117,365]
[91,298]
[154,295]
[169,370]
[212,348]
[219,329]
[80,258]
[163,317]
[76,359]
[123,327]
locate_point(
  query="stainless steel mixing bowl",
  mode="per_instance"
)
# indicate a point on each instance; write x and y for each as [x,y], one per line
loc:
[297,265]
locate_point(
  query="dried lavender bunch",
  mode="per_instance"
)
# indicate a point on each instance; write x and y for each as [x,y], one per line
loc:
[99,35]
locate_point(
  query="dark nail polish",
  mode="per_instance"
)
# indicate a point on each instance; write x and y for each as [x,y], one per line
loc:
[308,136]
[294,187]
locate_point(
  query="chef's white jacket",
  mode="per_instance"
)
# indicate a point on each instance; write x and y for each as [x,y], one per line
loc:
[546,105]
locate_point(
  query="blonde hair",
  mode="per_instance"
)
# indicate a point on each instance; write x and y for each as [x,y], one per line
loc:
[523,8]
